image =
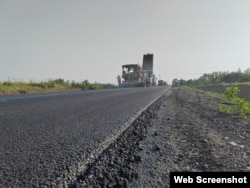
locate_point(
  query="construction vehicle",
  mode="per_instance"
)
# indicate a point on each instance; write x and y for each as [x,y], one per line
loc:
[147,68]
[135,75]
[132,76]
[162,83]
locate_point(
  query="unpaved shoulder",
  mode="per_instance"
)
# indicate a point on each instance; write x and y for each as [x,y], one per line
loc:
[189,134]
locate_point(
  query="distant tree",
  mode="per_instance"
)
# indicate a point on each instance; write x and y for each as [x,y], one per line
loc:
[217,77]
[247,71]
[189,82]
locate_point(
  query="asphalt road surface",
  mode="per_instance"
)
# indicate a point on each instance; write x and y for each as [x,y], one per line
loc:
[47,139]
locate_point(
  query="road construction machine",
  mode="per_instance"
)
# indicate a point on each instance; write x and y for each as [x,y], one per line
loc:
[135,75]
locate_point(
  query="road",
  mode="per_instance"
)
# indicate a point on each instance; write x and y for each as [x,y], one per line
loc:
[47,139]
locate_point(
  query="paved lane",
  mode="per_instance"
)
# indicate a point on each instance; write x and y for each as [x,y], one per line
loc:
[45,139]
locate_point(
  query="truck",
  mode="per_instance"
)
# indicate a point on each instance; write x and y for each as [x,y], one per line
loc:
[162,83]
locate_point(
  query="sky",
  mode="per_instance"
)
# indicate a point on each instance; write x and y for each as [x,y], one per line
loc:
[79,40]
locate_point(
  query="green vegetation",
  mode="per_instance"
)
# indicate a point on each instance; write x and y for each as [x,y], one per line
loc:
[216,78]
[232,81]
[240,106]
[50,85]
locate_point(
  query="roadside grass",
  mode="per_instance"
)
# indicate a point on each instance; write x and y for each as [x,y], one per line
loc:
[211,93]
[14,87]
[230,103]
[235,84]
[218,84]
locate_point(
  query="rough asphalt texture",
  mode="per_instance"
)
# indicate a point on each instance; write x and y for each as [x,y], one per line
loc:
[181,131]
[47,140]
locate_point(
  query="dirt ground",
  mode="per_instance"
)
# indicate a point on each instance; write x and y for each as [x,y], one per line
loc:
[181,132]
[244,89]
[189,134]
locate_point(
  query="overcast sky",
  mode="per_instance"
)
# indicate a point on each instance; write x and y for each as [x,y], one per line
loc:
[92,39]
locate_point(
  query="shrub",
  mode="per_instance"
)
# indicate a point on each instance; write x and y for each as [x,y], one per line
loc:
[231,92]
[240,106]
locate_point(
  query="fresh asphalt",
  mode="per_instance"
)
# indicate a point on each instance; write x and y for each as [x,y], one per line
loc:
[46,137]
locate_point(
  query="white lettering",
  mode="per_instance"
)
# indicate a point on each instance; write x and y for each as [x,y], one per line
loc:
[233,179]
[198,179]
[181,179]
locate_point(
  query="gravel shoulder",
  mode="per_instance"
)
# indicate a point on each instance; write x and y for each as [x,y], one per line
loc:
[189,134]
[182,131]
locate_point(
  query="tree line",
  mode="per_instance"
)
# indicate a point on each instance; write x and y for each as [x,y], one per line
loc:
[216,78]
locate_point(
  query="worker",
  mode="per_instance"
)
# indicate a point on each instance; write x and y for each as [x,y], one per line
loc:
[119,80]
[147,81]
